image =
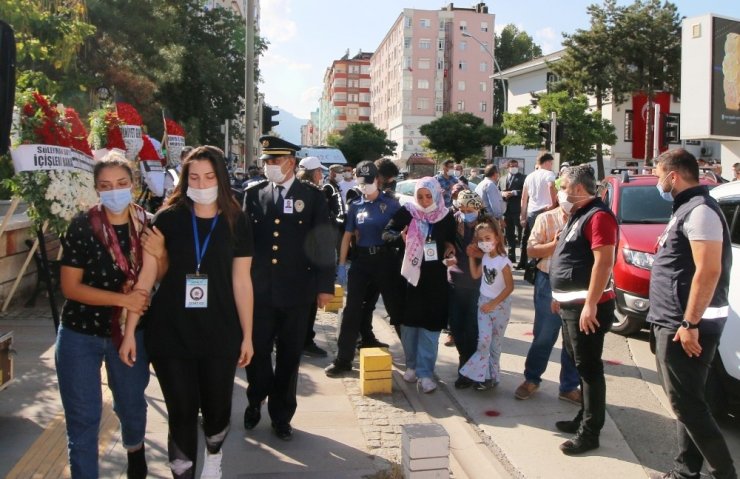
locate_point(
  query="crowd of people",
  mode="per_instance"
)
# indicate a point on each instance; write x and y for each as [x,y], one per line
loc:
[218,280]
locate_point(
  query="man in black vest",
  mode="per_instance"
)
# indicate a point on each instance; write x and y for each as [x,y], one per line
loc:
[580,277]
[511,187]
[293,266]
[688,309]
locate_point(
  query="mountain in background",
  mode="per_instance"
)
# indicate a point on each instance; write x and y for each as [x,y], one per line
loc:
[290,126]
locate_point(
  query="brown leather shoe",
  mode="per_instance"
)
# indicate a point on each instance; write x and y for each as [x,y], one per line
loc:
[574,397]
[525,390]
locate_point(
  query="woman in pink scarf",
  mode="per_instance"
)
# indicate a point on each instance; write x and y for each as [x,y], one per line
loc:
[428,229]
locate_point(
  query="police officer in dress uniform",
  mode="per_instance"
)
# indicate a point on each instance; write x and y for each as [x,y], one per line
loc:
[375,264]
[293,266]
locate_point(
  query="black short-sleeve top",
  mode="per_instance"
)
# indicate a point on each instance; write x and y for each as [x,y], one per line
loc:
[80,249]
[176,331]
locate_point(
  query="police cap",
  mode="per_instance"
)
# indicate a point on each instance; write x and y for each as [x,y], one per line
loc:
[273,147]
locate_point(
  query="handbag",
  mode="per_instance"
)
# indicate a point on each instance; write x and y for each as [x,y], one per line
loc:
[530,270]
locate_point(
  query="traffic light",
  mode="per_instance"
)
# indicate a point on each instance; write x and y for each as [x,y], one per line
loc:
[544,132]
[559,135]
[670,129]
[267,122]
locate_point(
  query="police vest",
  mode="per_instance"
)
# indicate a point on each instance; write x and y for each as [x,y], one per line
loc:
[573,260]
[674,268]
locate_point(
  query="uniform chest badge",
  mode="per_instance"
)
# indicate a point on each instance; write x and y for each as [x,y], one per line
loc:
[383,207]
[299,205]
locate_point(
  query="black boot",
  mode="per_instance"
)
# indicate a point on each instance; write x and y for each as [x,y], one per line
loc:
[137,464]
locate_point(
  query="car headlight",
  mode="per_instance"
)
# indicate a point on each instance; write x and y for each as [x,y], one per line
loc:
[639,259]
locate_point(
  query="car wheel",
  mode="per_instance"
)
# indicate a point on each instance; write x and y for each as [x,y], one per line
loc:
[624,325]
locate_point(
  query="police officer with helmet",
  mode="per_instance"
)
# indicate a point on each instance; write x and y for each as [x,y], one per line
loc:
[293,267]
[375,264]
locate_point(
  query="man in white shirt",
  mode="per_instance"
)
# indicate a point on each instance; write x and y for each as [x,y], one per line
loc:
[348,182]
[490,194]
[538,195]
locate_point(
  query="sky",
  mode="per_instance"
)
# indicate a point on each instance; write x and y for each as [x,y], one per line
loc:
[305,36]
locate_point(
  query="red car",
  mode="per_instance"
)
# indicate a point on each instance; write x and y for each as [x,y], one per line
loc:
[642,215]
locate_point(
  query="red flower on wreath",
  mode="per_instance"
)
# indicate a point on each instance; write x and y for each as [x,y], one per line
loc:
[78,134]
[173,128]
[41,122]
[128,114]
[148,152]
[114,139]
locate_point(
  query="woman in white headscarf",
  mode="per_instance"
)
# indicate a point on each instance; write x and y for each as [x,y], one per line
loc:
[427,228]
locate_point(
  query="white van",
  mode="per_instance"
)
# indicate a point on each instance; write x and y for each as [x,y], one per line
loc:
[723,386]
[326,155]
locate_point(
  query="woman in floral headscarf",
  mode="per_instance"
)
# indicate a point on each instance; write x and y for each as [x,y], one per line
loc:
[428,229]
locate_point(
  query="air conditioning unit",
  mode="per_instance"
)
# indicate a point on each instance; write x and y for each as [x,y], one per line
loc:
[706,151]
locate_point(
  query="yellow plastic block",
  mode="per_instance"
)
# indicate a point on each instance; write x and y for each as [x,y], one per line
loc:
[338,291]
[332,308]
[386,374]
[376,386]
[374,359]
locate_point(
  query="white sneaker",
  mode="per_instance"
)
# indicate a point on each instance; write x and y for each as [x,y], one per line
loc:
[428,385]
[410,376]
[212,465]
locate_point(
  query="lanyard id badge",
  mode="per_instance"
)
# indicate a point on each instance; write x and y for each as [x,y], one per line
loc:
[288,206]
[196,291]
[196,285]
[430,251]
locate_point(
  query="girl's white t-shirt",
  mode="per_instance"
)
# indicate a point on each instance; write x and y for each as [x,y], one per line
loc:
[492,278]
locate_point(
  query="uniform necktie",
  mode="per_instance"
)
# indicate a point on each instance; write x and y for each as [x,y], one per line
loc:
[279,199]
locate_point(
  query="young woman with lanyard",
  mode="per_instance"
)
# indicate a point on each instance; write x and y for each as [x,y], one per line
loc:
[100,264]
[428,229]
[375,264]
[199,327]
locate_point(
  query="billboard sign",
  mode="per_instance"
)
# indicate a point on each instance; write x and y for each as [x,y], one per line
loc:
[726,77]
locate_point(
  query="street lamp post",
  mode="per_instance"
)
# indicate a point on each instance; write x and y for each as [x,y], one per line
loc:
[493,77]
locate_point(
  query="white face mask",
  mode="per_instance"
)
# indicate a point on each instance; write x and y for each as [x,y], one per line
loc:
[274,173]
[513,170]
[368,189]
[486,246]
[203,196]
[429,208]
[457,173]
[566,205]
[347,176]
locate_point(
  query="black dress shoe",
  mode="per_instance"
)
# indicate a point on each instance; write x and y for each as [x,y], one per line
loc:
[283,431]
[338,369]
[463,382]
[314,351]
[570,427]
[579,444]
[252,416]
[373,343]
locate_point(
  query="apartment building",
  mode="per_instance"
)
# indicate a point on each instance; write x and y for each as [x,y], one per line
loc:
[425,67]
[345,99]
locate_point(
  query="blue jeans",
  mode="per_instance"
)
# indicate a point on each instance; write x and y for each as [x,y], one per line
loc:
[420,348]
[78,361]
[546,330]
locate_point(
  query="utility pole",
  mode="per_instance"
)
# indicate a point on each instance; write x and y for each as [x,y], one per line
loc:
[553,131]
[249,86]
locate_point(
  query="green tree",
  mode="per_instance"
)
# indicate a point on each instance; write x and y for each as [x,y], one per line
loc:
[512,47]
[460,136]
[582,129]
[362,141]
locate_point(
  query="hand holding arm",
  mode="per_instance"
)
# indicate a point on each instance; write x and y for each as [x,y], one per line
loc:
[145,282]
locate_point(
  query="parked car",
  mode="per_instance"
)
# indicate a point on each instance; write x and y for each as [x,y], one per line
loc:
[642,216]
[723,386]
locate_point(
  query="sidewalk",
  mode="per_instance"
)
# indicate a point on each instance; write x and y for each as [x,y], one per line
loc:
[338,432]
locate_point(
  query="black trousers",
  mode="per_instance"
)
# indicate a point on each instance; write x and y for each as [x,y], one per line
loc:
[586,349]
[189,386]
[381,272]
[525,235]
[283,329]
[513,231]
[684,381]
[464,321]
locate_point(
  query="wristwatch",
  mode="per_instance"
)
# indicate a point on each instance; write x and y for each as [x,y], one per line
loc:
[686,325]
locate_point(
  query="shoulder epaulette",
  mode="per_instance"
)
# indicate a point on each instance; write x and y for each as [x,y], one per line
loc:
[256,186]
[311,184]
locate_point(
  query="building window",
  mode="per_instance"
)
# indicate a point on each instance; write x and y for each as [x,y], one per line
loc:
[425,23]
[484,47]
[407,104]
[408,83]
[550,80]
[407,22]
[628,124]
[352,112]
[483,106]
[483,86]
[483,66]
[462,66]
[440,44]
[422,84]
[463,26]
[406,63]
[424,63]
[461,85]
[425,44]
[353,98]
[463,45]
[483,26]
[441,25]
[440,64]
[422,103]
[407,42]
[460,105]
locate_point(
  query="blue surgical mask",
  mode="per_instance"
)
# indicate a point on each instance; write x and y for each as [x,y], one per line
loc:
[666,195]
[116,200]
[470,217]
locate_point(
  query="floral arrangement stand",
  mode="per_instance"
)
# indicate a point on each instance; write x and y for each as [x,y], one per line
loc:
[39,241]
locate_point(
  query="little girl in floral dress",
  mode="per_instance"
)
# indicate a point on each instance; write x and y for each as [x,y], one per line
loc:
[488,261]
